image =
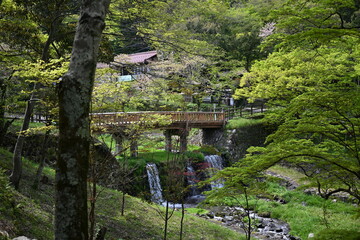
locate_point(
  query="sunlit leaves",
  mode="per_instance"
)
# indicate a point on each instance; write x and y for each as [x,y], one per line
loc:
[285,75]
[314,22]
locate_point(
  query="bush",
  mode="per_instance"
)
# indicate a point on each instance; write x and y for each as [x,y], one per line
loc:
[242,122]
[209,150]
[194,156]
[335,234]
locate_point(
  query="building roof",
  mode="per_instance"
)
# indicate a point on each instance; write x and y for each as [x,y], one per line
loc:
[102,65]
[141,57]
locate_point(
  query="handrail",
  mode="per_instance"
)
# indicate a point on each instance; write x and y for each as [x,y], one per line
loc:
[124,118]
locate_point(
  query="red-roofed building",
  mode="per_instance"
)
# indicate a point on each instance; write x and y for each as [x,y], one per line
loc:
[133,66]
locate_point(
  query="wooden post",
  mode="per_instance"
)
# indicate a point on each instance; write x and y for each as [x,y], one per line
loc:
[133,148]
[183,140]
[168,140]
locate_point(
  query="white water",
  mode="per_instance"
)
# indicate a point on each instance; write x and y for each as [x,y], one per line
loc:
[154,183]
[215,164]
[191,179]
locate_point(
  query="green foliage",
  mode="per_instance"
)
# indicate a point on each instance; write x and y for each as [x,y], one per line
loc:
[285,75]
[110,95]
[304,213]
[333,234]
[236,123]
[323,136]
[314,22]
[194,156]
[7,199]
[314,86]
[208,150]
[197,211]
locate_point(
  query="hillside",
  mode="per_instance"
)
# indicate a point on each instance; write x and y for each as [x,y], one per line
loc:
[30,213]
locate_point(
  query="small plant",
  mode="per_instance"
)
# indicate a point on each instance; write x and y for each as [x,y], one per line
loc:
[209,150]
[194,156]
[242,122]
[197,211]
[6,195]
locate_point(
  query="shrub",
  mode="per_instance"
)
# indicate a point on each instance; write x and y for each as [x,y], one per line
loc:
[209,150]
[242,122]
[194,156]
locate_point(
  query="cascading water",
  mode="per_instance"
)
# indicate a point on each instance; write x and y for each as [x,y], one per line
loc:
[215,164]
[191,179]
[154,183]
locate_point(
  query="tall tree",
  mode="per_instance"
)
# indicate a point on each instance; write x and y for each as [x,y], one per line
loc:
[71,220]
[313,80]
[45,20]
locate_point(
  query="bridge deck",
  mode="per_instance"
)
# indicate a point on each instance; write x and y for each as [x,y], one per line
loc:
[172,119]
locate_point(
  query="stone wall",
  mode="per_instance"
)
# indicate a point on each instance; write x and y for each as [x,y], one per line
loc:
[234,143]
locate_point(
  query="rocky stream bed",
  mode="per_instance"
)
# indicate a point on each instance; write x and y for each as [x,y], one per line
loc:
[263,227]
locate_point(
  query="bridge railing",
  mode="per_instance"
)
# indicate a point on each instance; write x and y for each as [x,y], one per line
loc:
[121,118]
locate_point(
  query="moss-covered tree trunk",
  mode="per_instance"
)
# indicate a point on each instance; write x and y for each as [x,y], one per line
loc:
[71,218]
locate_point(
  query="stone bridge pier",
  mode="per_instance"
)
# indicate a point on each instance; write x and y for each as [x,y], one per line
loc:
[182,133]
[210,136]
[119,138]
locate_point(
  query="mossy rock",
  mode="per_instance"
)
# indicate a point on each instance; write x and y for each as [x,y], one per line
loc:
[336,234]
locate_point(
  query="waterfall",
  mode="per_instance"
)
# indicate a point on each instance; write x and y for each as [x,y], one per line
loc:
[215,164]
[154,183]
[191,179]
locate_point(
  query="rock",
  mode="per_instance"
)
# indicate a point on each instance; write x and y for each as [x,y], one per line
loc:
[210,215]
[239,209]
[220,219]
[4,233]
[204,216]
[260,225]
[229,218]
[22,238]
[311,235]
[264,214]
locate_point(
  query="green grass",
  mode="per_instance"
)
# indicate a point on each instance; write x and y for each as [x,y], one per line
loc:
[304,213]
[16,125]
[242,122]
[197,211]
[296,176]
[308,213]
[30,213]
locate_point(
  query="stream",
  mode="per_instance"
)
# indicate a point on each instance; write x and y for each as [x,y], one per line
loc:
[231,217]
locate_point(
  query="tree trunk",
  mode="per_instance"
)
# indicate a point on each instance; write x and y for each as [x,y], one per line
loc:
[166,220]
[17,162]
[71,218]
[42,155]
[123,204]
[182,220]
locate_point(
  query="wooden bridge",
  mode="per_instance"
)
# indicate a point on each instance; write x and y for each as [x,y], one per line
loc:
[170,120]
